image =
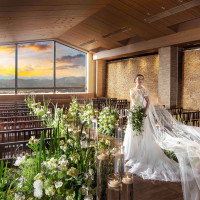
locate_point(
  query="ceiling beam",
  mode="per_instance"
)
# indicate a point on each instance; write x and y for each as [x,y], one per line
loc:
[173,11]
[144,46]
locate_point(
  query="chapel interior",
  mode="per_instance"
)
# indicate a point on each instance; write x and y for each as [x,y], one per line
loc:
[59,54]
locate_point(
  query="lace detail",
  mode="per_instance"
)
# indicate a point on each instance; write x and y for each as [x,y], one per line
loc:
[137,96]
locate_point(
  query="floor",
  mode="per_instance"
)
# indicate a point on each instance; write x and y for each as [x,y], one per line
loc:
[156,190]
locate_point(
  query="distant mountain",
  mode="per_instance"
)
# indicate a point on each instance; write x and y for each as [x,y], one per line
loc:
[70,81]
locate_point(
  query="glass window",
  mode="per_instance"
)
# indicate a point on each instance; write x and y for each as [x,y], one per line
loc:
[7,68]
[35,66]
[70,69]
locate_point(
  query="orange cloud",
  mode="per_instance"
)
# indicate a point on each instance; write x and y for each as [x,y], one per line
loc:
[7,49]
[37,46]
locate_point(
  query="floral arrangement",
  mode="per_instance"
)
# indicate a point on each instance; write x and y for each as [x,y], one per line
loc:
[87,113]
[74,110]
[107,120]
[135,117]
[39,110]
[66,170]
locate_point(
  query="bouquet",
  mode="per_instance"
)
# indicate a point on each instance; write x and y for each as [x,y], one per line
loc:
[135,117]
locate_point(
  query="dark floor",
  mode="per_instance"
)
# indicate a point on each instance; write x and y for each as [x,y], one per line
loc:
[156,190]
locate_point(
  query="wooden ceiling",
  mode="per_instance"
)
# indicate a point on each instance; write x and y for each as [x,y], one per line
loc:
[92,25]
[23,20]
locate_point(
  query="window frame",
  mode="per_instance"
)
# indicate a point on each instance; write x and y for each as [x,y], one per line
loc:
[54,88]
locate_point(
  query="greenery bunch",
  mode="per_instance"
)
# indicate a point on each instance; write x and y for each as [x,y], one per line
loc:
[135,117]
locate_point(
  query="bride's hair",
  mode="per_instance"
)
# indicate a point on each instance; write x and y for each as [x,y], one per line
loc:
[137,76]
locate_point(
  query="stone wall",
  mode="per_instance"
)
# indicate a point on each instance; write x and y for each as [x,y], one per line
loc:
[120,76]
[191,80]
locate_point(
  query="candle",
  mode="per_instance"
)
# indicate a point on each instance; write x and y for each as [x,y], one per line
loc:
[102,156]
[114,183]
[127,180]
[119,154]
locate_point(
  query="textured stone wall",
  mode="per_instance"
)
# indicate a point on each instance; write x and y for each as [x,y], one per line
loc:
[168,77]
[191,80]
[120,76]
[100,78]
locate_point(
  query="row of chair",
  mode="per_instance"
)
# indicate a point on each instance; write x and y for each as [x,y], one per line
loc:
[17,126]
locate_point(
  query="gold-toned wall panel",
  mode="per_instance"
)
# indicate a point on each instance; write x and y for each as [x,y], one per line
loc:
[191,80]
[120,76]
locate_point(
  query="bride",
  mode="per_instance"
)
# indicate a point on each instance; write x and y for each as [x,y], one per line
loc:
[144,152]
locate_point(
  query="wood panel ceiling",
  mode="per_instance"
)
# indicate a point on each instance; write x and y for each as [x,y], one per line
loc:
[22,20]
[127,13]
[92,25]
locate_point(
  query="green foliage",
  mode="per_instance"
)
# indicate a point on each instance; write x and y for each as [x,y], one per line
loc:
[65,171]
[135,117]
[171,155]
[74,110]
[87,113]
[107,120]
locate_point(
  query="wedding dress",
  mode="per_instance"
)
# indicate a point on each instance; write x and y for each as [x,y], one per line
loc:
[144,153]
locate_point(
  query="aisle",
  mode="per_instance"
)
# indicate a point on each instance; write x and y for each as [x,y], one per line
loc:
[156,190]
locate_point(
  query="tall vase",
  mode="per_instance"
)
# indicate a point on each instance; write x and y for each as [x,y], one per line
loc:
[127,186]
[102,172]
[114,187]
[94,129]
[119,161]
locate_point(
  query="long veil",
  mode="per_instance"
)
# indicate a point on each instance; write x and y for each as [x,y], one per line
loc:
[184,141]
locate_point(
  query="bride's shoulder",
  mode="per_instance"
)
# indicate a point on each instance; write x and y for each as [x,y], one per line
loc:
[132,89]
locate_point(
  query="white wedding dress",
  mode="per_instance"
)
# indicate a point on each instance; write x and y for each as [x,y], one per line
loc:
[144,153]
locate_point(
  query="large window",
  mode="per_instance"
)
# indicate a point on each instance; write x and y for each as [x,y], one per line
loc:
[42,67]
[70,69]
[7,69]
[35,67]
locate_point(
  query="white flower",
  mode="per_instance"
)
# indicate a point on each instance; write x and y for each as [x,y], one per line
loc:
[19,161]
[91,171]
[69,198]
[88,197]
[36,141]
[58,184]
[38,184]
[50,191]
[38,193]
[19,197]
[63,157]
[39,176]
[63,164]
[20,185]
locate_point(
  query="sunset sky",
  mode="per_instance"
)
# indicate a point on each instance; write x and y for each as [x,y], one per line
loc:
[7,62]
[35,60]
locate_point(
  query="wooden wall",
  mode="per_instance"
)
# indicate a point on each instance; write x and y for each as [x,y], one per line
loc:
[191,80]
[120,76]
